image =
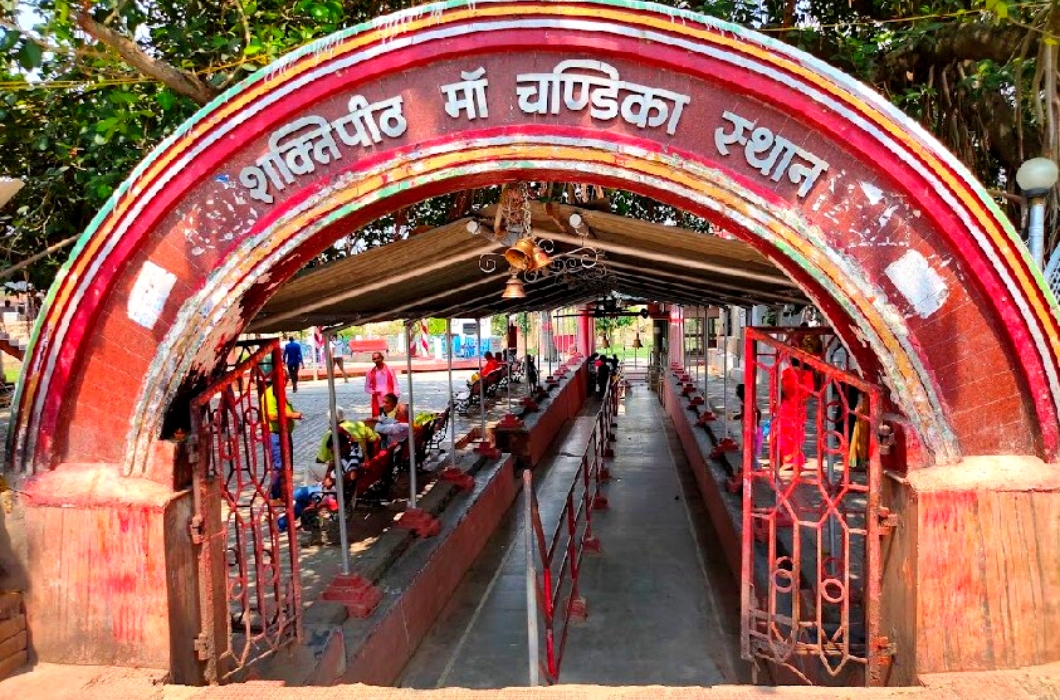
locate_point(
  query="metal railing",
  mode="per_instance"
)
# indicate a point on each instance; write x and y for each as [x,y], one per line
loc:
[554,593]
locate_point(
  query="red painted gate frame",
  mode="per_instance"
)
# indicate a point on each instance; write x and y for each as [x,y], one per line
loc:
[232,441]
[761,636]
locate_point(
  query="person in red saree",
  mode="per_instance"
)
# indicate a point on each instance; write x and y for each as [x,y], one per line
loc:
[797,384]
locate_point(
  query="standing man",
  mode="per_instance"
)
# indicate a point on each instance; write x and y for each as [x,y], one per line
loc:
[292,357]
[338,352]
[380,381]
[272,415]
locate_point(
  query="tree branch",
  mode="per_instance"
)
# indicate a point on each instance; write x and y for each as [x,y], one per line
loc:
[973,41]
[179,81]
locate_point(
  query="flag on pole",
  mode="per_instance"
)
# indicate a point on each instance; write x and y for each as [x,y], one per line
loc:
[419,346]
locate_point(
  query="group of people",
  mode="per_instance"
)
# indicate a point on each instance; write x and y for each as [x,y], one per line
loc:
[601,369]
[294,360]
[388,425]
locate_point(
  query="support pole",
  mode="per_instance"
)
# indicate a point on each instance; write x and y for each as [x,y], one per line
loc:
[340,477]
[451,423]
[481,381]
[706,357]
[531,582]
[508,362]
[412,417]
[550,337]
[727,319]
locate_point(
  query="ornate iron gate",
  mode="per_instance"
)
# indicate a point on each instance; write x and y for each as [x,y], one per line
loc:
[812,521]
[250,592]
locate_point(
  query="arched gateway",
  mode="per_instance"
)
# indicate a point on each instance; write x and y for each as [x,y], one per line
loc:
[882,228]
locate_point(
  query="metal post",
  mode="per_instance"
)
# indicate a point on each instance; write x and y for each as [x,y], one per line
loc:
[727,319]
[551,341]
[508,360]
[481,380]
[451,423]
[540,343]
[531,583]
[412,417]
[1036,231]
[706,356]
[340,478]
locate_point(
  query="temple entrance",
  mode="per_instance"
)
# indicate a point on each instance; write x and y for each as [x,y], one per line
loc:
[850,204]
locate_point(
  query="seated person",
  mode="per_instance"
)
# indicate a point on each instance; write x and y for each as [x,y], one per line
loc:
[392,423]
[492,363]
[312,494]
[357,441]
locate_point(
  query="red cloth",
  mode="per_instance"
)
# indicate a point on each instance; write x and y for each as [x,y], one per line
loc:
[789,430]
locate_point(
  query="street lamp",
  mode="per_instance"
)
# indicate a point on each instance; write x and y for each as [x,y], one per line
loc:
[9,187]
[1036,178]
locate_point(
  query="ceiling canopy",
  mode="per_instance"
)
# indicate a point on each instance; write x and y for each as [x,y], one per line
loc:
[437,273]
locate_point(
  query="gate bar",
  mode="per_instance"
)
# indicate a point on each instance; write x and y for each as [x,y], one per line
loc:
[340,477]
[412,416]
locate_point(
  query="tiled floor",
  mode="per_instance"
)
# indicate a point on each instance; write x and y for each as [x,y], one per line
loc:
[662,606]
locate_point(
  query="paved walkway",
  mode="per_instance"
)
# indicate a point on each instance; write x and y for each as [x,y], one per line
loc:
[662,608]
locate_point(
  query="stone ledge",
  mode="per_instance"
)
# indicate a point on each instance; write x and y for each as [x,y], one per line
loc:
[1018,473]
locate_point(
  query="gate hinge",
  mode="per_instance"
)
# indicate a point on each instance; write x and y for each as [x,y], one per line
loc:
[197,528]
[201,644]
[888,518]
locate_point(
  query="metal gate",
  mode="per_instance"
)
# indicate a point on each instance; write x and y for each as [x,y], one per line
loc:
[812,522]
[249,587]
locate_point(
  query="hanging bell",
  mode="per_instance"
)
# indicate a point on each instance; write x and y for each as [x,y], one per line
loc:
[540,259]
[520,256]
[514,289]
[606,345]
[636,341]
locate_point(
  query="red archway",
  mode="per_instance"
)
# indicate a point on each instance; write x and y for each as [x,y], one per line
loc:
[887,232]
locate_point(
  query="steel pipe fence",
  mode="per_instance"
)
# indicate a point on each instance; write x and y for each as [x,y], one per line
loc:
[554,594]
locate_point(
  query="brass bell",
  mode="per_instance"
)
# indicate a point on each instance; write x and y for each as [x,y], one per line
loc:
[540,259]
[521,255]
[636,341]
[513,289]
[606,344]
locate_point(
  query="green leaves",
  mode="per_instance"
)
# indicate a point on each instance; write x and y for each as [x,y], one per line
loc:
[998,7]
[30,55]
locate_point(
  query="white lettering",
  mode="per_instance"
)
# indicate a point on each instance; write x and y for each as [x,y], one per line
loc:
[467,96]
[578,84]
[770,154]
[297,148]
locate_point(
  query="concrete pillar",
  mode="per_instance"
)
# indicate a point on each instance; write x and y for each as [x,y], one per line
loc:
[113,573]
[586,331]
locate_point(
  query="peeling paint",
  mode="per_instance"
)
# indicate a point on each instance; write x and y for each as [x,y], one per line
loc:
[922,287]
[149,293]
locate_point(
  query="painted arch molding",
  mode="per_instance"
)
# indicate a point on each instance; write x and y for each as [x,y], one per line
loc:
[891,236]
